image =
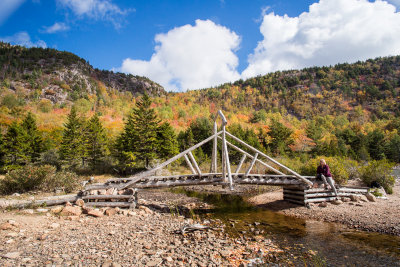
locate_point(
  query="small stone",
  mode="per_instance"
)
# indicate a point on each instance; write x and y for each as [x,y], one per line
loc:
[11,255]
[354,198]
[57,209]
[363,198]
[95,213]
[168,259]
[323,205]
[54,225]
[132,213]
[42,210]
[68,204]
[80,202]
[12,234]
[370,197]
[16,194]
[6,226]
[72,218]
[9,241]
[71,211]
[110,212]
[28,211]
[337,202]
[86,209]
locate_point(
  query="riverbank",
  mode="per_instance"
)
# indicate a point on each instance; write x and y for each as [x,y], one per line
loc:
[382,216]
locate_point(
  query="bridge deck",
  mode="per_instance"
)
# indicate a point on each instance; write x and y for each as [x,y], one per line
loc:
[202,179]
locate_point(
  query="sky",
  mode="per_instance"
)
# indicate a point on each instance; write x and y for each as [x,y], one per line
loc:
[193,44]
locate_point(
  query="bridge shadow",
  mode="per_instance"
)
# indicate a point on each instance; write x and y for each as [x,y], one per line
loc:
[278,205]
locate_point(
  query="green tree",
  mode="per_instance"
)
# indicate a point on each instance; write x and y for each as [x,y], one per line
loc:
[35,140]
[280,137]
[16,147]
[138,141]
[72,148]
[167,142]
[376,144]
[96,143]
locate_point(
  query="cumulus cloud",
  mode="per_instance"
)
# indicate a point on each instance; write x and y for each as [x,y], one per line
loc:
[97,10]
[190,57]
[56,27]
[7,7]
[23,39]
[332,31]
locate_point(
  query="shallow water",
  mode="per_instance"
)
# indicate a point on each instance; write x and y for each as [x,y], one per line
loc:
[334,243]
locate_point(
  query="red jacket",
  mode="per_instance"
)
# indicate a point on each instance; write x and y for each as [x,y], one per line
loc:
[324,170]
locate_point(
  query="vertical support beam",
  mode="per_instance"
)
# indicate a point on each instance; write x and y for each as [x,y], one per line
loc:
[215,148]
[223,169]
[251,165]
[194,163]
[227,163]
[214,165]
[239,166]
[189,163]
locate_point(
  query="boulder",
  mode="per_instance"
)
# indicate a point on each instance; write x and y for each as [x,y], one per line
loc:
[363,198]
[370,197]
[80,202]
[95,213]
[337,202]
[110,212]
[57,209]
[71,211]
[323,205]
[6,226]
[354,198]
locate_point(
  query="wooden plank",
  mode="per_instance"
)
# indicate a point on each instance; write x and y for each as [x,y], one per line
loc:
[139,176]
[251,165]
[298,192]
[189,163]
[322,199]
[90,197]
[250,156]
[110,204]
[227,162]
[194,163]
[271,159]
[296,201]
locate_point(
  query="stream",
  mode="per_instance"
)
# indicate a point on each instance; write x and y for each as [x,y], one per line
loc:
[334,244]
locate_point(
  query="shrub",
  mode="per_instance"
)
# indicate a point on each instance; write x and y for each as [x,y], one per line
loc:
[378,171]
[341,168]
[26,178]
[43,177]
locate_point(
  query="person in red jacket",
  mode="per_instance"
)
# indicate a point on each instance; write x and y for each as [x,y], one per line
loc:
[325,175]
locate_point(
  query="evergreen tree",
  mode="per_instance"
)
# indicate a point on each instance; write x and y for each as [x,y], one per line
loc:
[139,142]
[35,140]
[95,141]
[72,146]
[280,137]
[167,143]
[16,147]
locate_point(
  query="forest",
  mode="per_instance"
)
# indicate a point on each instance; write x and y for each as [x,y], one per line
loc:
[57,110]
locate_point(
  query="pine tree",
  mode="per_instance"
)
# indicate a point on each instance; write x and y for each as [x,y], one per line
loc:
[145,130]
[72,146]
[35,140]
[167,143]
[16,147]
[95,141]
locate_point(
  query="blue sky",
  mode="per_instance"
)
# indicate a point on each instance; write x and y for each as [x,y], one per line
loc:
[194,44]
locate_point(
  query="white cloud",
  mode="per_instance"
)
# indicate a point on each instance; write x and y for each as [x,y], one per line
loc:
[23,39]
[97,10]
[7,7]
[56,27]
[332,31]
[190,57]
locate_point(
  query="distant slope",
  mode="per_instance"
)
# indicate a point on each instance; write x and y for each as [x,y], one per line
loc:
[62,76]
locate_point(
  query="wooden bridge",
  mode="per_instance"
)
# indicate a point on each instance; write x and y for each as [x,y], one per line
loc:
[296,186]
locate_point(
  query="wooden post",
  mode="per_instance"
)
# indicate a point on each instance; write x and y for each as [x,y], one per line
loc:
[251,165]
[189,163]
[227,163]
[214,165]
[194,163]
[240,164]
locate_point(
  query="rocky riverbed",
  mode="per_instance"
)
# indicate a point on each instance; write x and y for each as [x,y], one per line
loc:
[141,237]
